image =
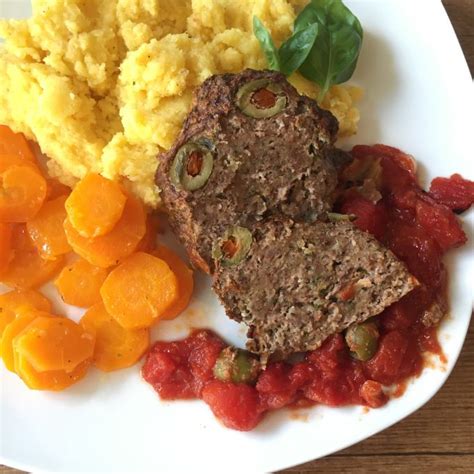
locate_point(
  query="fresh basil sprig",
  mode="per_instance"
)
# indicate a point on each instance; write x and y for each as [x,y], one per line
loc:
[292,52]
[324,47]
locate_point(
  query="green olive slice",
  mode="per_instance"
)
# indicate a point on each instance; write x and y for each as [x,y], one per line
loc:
[237,366]
[233,247]
[363,340]
[261,98]
[192,166]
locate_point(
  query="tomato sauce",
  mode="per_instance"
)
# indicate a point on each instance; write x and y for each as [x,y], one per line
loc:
[419,228]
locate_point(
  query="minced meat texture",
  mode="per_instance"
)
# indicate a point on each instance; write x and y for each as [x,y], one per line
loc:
[300,283]
[278,165]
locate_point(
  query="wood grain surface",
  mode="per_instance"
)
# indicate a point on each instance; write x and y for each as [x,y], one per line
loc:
[439,438]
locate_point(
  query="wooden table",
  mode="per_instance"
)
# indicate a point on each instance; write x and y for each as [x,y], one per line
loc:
[438,438]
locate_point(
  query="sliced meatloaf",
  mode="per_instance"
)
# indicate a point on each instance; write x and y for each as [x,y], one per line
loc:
[251,147]
[294,284]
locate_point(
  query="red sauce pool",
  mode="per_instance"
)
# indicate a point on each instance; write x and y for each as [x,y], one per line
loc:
[419,230]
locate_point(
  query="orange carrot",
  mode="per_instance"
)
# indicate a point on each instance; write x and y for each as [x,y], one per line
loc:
[46,229]
[139,290]
[109,249]
[95,206]
[185,279]
[79,283]
[116,347]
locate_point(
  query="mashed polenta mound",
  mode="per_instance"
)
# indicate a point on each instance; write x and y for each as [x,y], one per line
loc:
[104,85]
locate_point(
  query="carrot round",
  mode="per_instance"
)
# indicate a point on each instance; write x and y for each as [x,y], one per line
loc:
[109,249]
[46,229]
[6,253]
[116,348]
[79,283]
[95,206]
[148,243]
[28,269]
[183,274]
[23,192]
[54,344]
[15,144]
[16,301]
[9,160]
[6,317]
[12,330]
[55,380]
[139,290]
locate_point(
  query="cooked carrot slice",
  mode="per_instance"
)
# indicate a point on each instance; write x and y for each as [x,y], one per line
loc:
[28,269]
[22,321]
[55,380]
[56,189]
[15,144]
[6,317]
[6,253]
[139,290]
[46,229]
[15,301]
[109,249]
[22,193]
[116,348]
[148,243]
[95,206]
[9,160]
[54,344]
[185,279]
[79,283]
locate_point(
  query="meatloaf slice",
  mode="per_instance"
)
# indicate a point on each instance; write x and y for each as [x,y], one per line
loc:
[250,148]
[294,284]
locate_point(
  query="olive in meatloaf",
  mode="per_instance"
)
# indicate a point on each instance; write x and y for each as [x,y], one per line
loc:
[251,147]
[294,284]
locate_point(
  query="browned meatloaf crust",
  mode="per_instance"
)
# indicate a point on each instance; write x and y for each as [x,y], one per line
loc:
[302,282]
[278,165]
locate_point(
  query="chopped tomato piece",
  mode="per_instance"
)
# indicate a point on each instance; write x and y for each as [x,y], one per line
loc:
[396,358]
[275,386]
[455,192]
[236,405]
[440,223]
[370,217]
[373,394]
[180,369]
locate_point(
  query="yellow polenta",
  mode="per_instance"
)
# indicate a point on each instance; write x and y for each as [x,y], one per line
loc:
[104,85]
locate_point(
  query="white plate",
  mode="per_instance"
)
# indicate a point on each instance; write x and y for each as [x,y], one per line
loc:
[418,98]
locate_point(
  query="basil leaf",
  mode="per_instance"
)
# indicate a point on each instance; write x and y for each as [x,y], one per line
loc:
[333,58]
[267,44]
[308,16]
[295,49]
[333,14]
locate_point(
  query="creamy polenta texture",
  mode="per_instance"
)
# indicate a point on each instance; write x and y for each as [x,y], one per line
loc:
[104,85]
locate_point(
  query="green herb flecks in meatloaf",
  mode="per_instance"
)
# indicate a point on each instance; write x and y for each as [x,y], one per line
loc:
[299,283]
[251,147]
